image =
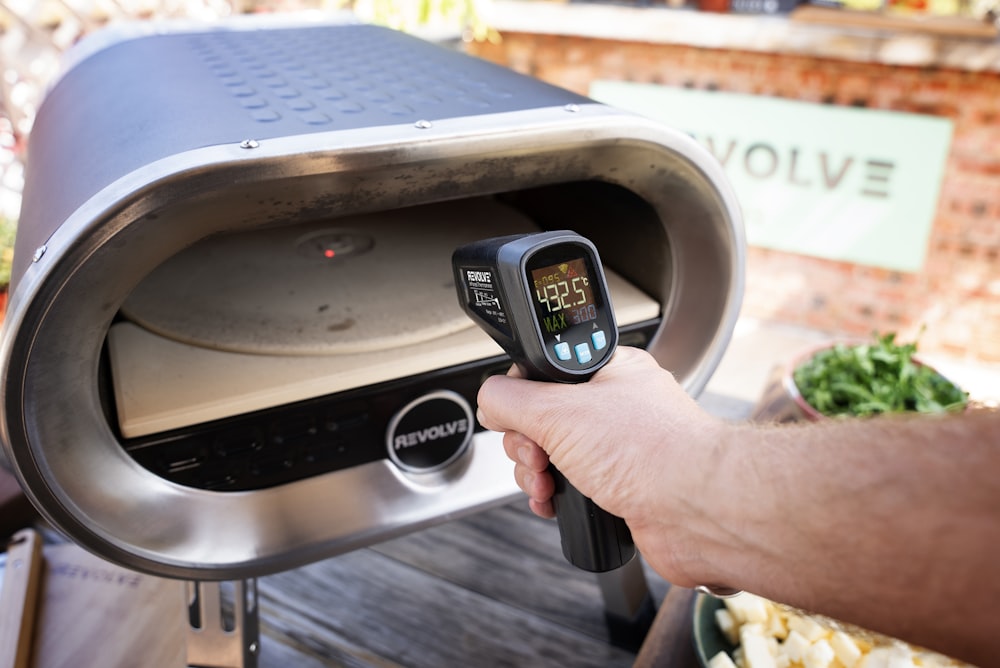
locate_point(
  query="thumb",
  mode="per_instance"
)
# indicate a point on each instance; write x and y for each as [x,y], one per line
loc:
[549,413]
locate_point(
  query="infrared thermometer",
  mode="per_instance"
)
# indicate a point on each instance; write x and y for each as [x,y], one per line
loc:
[544,298]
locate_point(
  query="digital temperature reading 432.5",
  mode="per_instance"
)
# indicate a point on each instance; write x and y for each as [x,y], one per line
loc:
[564,290]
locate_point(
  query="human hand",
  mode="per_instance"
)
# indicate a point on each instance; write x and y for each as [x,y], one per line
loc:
[630,439]
[842,517]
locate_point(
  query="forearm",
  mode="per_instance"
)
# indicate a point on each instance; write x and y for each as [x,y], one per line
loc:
[892,524]
[874,518]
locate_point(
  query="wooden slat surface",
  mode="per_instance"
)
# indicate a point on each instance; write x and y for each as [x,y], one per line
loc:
[491,589]
[488,590]
[670,643]
[19,599]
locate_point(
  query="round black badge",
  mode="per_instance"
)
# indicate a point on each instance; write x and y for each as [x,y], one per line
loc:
[430,432]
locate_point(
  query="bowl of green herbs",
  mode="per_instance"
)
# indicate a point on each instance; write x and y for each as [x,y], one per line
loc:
[870,378]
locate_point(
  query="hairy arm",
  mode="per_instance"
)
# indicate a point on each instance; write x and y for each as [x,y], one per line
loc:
[892,524]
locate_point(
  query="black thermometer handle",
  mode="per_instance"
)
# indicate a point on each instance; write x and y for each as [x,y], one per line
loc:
[544,298]
[592,538]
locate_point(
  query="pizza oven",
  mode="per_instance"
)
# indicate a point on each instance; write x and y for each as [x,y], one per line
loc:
[233,344]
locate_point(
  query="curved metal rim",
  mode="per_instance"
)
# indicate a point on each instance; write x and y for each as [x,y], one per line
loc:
[35,433]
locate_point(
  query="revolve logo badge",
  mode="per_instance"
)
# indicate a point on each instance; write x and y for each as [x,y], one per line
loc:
[431,432]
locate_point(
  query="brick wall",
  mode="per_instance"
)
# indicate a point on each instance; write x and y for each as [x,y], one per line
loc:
[956,295]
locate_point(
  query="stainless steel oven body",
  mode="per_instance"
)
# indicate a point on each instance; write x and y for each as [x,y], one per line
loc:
[168,161]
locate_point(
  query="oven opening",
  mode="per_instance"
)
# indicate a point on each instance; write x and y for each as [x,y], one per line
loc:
[262,357]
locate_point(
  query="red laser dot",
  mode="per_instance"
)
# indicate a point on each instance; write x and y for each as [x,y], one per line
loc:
[329,253]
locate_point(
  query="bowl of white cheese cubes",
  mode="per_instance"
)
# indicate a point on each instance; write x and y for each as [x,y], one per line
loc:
[748,631]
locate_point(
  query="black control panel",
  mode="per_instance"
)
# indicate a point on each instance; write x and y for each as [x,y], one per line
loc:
[308,438]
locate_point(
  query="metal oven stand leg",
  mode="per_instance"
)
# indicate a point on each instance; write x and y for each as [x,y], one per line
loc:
[629,608]
[223,629]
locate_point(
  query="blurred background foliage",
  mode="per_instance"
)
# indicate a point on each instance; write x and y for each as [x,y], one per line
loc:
[35,33]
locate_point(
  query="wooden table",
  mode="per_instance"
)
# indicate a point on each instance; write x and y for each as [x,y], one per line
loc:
[670,643]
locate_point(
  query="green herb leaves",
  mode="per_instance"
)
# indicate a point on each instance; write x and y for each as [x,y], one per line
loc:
[881,377]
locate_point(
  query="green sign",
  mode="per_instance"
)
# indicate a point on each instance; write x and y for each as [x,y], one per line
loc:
[848,184]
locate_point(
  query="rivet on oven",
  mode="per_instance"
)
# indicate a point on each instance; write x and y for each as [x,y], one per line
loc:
[572,108]
[423,125]
[39,252]
[249,143]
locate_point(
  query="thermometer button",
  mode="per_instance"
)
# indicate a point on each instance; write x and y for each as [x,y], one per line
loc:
[582,353]
[599,340]
[562,351]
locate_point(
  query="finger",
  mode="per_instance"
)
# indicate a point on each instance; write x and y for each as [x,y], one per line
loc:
[540,504]
[543,486]
[510,403]
[523,450]
[542,509]
[537,485]
[525,479]
[513,444]
[503,401]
